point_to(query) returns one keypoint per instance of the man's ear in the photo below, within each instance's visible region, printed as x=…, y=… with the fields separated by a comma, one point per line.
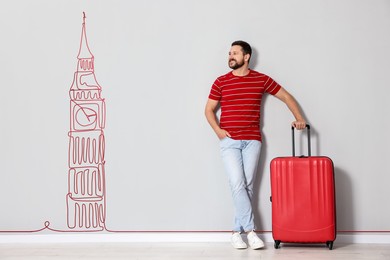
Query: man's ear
x=247, y=57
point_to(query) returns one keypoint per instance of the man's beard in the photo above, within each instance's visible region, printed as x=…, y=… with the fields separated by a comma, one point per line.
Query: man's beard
x=236, y=65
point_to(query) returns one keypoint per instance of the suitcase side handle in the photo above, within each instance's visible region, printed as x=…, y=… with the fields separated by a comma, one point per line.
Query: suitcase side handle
x=308, y=140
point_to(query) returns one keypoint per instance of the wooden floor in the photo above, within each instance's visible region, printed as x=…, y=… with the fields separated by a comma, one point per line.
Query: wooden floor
x=189, y=251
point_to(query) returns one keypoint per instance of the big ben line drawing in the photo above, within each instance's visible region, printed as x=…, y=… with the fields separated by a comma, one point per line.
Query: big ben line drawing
x=85, y=200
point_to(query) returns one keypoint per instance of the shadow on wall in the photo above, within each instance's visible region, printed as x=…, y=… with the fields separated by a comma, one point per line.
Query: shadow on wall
x=344, y=201
x=263, y=155
x=343, y=183
x=259, y=213
x=343, y=186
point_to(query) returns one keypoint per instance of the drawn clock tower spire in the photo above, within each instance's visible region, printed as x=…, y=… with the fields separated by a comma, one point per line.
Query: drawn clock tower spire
x=86, y=209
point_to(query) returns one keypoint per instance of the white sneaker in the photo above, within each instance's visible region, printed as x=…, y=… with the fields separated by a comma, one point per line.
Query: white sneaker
x=237, y=241
x=254, y=241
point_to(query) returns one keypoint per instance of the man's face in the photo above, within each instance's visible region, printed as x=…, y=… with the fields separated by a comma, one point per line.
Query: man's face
x=236, y=57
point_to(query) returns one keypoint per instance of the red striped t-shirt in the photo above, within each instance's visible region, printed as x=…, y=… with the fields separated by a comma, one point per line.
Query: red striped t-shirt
x=240, y=100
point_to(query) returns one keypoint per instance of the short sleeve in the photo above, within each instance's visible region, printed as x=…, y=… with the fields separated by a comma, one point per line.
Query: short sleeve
x=215, y=92
x=271, y=86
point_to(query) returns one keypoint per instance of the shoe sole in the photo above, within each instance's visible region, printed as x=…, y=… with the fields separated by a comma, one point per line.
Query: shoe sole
x=258, y=247
x=240, y=247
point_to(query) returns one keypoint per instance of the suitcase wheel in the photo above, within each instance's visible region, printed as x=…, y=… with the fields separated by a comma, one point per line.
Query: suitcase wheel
x=329, y=244
x=277, y=244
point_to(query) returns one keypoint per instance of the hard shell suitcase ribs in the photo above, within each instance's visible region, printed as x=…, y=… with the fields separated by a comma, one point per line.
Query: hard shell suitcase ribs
x=303, y=199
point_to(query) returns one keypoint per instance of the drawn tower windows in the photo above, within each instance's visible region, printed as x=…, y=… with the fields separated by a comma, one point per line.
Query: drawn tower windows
x=86, y=176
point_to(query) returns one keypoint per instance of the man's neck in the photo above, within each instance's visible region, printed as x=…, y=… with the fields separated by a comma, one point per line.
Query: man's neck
x=240, y=72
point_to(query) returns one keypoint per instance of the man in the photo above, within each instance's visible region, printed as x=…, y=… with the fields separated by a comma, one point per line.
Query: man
x=239, y=95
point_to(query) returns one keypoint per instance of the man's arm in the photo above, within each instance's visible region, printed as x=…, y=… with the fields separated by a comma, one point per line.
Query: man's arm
x=212, y=119
x=289, y=100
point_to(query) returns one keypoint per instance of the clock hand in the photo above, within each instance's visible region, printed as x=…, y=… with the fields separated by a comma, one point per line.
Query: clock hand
x=92, y=115
x=85, y=113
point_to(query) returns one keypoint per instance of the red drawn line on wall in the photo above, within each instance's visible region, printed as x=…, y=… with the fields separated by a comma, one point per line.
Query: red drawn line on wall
x=86, y=204
x=85, y=200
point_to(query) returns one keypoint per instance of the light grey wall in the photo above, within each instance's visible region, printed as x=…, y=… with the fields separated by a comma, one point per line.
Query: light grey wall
x=156, y=61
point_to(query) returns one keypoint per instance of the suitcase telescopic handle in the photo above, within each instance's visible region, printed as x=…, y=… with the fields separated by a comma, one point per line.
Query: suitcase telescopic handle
x=308, y=140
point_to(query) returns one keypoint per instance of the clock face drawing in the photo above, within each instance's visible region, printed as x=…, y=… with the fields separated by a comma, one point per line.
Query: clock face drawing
x=86, y=117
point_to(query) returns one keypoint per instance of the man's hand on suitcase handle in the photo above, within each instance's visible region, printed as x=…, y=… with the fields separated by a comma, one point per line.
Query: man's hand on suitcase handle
x=299, y=124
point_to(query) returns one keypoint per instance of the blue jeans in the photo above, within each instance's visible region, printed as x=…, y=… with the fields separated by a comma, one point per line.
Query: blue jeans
x=240, y=158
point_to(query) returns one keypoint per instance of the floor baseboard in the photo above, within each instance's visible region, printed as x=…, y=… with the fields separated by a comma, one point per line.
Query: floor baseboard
x=190, y=237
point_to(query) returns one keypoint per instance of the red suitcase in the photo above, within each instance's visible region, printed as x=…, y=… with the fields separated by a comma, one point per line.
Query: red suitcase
x=303, y=199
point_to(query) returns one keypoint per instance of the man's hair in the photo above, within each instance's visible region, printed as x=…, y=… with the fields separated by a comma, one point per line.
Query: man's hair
x=246, y=48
